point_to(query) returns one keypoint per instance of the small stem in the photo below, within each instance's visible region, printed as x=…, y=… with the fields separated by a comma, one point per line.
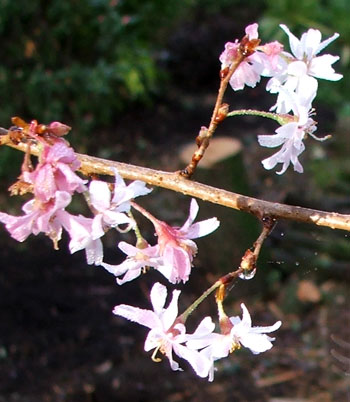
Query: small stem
x=224, y=280
x=183, y=317
x=142, y=211
x=281, y=119
x=248, y=262
x=269, y=223
x=139, y=238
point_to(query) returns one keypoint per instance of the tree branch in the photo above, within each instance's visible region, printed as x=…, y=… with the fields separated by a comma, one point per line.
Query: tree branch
x=174, y=181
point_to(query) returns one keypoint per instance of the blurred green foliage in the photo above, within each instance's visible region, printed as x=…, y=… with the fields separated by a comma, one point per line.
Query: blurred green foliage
x=328, y=16
x=85, y=62
x=79, y=61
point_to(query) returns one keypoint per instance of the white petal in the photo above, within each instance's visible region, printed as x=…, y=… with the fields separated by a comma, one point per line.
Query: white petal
x=205, y=327
x=143, y=317
x=310, y=42
x=120, y=269
x=118, y=180
x=100, y=196
x=97, y=228
x=256, y=343
x=293, y=42
x=262, y=330
x=271, y=141
x=321, y=67
x=170, y=314
x=271, y=162
x=297, y=68
x=199, y=363
x=194, y=208
x=158, y=297
x=113, y=218
x=94, y=252
x=127, y=248
x=129, y=276
x=246, y=319
x=327, y=42
x=202, y=228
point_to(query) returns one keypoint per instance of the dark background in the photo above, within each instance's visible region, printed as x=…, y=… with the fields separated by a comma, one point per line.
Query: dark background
x=136, y=80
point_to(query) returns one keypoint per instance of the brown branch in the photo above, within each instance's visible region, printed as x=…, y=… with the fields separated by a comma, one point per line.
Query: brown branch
x=246, y=48
x=174, y=181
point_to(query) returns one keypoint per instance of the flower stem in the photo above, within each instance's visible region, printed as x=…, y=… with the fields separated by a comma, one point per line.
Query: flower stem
x=183, y=317
x=223, y=281
x=281, y=119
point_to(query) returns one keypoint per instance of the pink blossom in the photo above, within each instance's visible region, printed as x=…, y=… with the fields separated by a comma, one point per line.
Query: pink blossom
x=39, y=218
x=124, y=193
x=236, y=332
x=82, y=236
x=166, y=334
x=137, y=260
x=261, y=63
x=176, y=245
x=55, y=172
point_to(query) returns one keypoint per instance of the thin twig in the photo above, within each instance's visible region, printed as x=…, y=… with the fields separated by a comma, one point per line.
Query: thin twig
x=220, y=109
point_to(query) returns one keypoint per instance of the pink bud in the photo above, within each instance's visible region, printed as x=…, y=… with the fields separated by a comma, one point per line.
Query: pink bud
x=58, y=128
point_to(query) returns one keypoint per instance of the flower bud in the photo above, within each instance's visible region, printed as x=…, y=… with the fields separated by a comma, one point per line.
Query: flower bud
x=58, y=128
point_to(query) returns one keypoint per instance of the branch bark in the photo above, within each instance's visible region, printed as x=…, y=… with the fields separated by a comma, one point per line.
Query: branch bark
x=175, y=182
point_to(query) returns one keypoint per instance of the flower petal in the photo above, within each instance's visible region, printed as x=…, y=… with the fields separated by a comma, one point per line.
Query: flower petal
x=158, y=297
x=143, y=317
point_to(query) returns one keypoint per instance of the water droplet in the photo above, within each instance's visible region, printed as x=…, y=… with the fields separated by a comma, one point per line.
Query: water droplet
x=297, y=264
x=282, y=234
x=246, y=275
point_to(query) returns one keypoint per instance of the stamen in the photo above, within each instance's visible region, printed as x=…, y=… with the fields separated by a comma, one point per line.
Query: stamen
x=154, y=358
x=321, y=139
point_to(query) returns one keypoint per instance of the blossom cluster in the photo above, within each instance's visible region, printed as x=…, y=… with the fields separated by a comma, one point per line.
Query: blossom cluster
x=173, y=254
x=54, y=181
x=293, y=77
x=203, y=347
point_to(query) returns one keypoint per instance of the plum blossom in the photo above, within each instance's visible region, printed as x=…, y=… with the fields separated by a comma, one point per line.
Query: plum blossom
x=55, y=172
x=236, y=332
x=297, y=72
x=85, y=233
x=38, y=218
x=167, y=333
x=80, y=230
x=176, y=246
x=109, y=211
x=261, y=63
x=137, y=260
x=290, y=136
